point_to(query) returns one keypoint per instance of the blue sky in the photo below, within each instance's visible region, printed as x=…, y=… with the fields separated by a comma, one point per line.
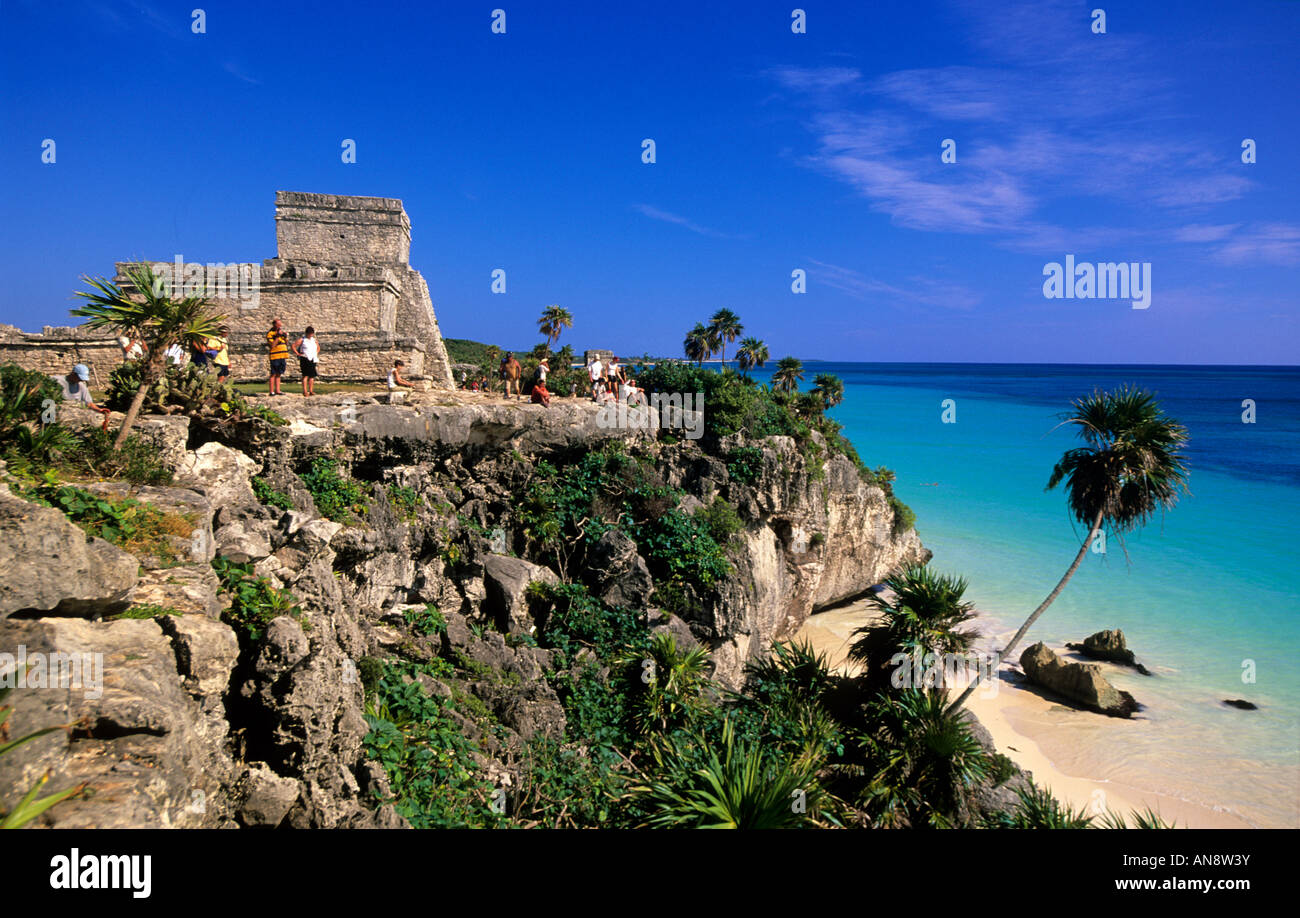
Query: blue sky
x=775, y=151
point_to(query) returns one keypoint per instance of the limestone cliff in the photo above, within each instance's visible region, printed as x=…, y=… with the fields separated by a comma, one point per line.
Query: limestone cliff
x=202, y=724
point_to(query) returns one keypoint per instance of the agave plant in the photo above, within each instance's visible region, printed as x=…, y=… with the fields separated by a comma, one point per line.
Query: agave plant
x=746, y=787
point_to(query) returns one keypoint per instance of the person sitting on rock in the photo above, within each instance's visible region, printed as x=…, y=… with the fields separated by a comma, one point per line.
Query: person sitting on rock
x=540, y=395
x=75, y=390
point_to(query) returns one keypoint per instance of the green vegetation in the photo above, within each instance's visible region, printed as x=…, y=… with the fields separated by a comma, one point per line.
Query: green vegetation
x=406, y=501
x=269, y=495
x=428, y=760
x=566, y=510
x=339, y=499
x=427, y=621
x=33, y=442
x=143, y=612
x=254, y=601
x=31, y=805
x=191, y=390
x=137, y=527
x=721, y=521
x=553, y=322
x=744, y=463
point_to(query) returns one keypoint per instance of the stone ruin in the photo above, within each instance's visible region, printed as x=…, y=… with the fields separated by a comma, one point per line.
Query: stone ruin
x=342, y=266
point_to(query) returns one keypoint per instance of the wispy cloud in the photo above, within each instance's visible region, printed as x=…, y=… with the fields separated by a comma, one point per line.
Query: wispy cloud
x=1268, y=243
x=918, y=289
x=1058, y=114
x=238, y=73
x=654, y=213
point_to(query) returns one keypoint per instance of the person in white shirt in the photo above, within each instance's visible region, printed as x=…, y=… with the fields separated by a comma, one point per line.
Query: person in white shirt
x=175, y=355
x=593, y=371
x=308, y=350
x=75, y=390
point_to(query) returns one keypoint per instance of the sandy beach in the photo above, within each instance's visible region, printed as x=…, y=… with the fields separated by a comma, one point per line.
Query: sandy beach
x=1020, y=721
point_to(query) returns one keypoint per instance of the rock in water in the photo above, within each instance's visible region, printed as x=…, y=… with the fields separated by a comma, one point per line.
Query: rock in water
x=1111, y=646
x=1241, y=703
x=1080, y=682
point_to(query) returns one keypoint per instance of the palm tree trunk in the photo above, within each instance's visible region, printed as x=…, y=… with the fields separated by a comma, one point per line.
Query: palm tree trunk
x=148, y=377
x=1034, y=616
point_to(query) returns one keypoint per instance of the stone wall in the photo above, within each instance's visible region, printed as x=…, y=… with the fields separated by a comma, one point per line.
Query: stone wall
x=342, y=268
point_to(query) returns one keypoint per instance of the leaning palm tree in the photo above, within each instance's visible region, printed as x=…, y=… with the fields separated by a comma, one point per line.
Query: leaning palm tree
x=725, y=326
x=752, y=353
x=698, y=345
x=830, y=388
x=789, y=372
x=554, y=320
x=148, y=312
x=1130, y=468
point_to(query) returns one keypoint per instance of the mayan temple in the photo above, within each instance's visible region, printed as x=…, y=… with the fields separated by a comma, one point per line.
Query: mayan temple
x=342, y=266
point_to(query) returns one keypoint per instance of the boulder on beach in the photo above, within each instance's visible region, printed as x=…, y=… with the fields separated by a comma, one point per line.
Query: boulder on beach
x=1110, y=646
x=1080, y=682
x=1241, y=703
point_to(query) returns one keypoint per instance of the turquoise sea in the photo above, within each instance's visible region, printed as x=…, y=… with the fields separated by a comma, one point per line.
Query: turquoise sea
x=1207, y=596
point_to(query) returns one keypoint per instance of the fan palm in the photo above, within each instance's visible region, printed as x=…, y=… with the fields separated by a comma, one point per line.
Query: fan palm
x=922, y=759
x=554, y=320
x=1130, y=467
x=150, y=313
x=789, y=372
x=698, y=345
x=830, y=388
x=752, y=353
x=923, y=613
x=725, y=326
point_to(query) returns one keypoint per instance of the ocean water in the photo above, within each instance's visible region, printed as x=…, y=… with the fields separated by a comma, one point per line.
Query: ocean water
x=1206, y=595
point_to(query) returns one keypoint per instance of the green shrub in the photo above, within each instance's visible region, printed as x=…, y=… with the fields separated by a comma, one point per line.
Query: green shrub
x=721, y=520
x=339, y=499
x=429, y=762
x=744, y=464
x=269, y=495
x=406, y=501
x=254, y=602
x=427, y=621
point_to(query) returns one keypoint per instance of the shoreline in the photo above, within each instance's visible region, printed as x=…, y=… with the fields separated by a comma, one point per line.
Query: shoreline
x=1017, y=718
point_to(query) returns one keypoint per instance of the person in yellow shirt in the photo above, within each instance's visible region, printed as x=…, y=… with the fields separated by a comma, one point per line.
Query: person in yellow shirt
x=221, y=360
x=278, y=341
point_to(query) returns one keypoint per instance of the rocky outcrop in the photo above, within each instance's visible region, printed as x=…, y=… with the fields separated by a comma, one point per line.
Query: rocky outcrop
x=1082, y=683
x=50, y=565
x=207, y=722
x=1109, y=646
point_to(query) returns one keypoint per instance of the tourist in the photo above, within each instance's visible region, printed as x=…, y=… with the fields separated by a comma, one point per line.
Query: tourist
x=199, y=355
x=278, y=342
x=511, y=372
x=308, y=350
x=616, y=377
x=218, y=351
x=395, y=377
x=540, y=395
x=594, y=373
x=539, y=375
x=175, y=355
x=631, y=394
x=75, y=390
x=133, y=348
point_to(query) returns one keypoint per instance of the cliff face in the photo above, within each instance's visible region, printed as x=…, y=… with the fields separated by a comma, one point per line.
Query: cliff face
x=202, y=724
